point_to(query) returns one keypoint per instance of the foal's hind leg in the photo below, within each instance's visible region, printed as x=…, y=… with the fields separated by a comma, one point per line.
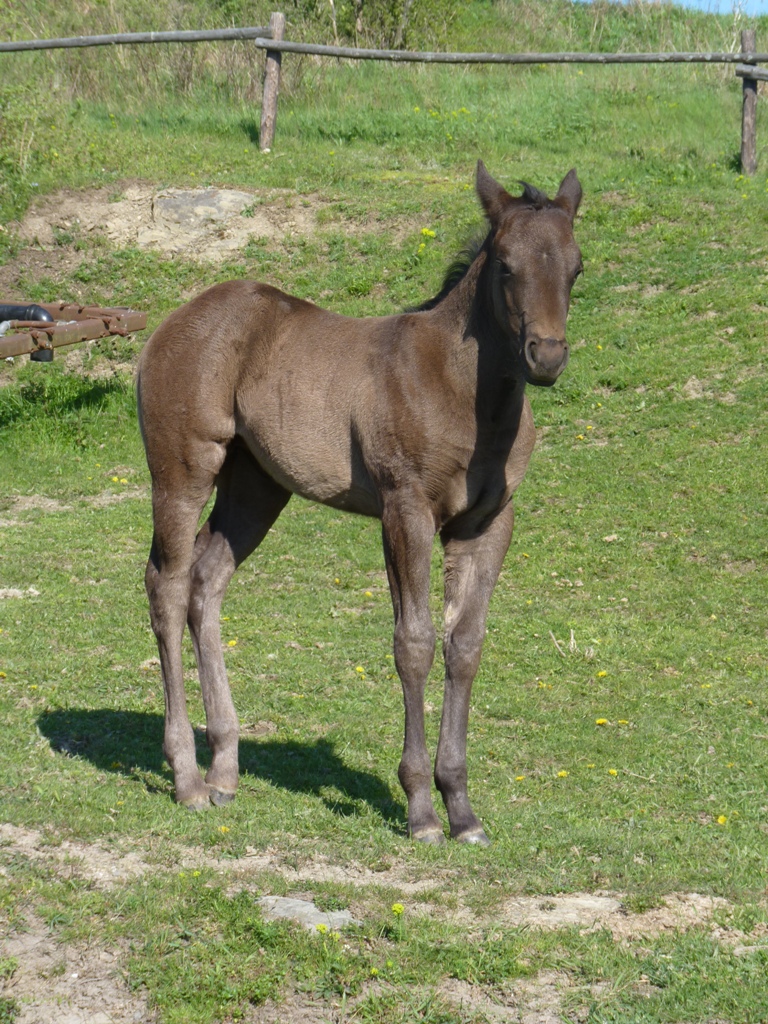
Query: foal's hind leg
x=247, y=503
x=472, y=566
x=177, y=501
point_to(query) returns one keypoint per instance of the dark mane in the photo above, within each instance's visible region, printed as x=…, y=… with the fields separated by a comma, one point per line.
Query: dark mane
x=463, y=261
x=456, y=271
x=534, y=197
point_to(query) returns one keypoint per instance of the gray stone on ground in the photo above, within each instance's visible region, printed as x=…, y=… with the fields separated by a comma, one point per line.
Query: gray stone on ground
x=304, y=912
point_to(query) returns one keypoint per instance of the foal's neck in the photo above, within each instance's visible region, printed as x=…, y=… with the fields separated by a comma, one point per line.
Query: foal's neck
x=485, y=363
x=468, y=312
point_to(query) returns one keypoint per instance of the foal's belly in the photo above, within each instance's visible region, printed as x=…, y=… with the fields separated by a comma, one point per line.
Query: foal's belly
x=316, y=465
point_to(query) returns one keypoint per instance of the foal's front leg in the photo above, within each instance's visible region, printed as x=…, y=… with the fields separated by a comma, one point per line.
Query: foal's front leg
x=472, y=566
x=408, y=532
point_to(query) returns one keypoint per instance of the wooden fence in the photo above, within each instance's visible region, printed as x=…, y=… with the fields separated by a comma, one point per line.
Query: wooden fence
x=271, y=38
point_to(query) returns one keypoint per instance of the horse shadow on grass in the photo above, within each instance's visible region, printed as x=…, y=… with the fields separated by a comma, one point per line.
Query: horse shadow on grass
x=129, y=743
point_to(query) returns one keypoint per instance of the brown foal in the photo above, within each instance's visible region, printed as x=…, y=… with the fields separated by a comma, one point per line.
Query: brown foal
x=419, y=419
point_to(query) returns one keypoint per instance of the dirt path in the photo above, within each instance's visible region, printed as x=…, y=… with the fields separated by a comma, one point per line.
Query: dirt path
x=84, y=984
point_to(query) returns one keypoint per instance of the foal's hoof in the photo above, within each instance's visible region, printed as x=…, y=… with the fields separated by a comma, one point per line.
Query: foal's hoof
x=434, y=836
x=475, y=837
x=220, y=798
x=196, y=802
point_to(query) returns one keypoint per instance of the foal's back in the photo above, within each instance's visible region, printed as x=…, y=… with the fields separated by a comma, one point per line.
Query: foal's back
x=324, y=403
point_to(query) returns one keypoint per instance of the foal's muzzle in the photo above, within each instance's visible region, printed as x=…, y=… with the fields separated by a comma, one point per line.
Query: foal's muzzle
x=545, y=360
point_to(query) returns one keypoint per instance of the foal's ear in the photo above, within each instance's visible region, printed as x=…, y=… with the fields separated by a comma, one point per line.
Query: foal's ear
x=490, y=193
x=569, y=194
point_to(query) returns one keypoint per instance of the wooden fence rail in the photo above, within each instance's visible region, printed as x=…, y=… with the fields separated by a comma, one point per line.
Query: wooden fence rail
x=133, y=38
x=271, y=39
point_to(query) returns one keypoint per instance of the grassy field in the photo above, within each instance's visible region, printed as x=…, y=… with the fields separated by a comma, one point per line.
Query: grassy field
x=619, y=722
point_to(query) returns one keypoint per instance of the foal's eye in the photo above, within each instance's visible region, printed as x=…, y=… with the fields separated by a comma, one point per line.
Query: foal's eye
x=502, y=269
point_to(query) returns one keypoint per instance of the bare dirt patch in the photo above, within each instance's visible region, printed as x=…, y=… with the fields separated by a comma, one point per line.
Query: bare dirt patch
x=49, y=506
x=680, y=912
x=582, y=910
x=694, y=389
x=107, y=498
x=589, y=912
x=535, y=1000
x=207, y=223
x=22, y=503
x=75, y=984
x=319, y=869
x=538, y=1000
x=103, y=867
x=68, y=984
x=295, y=1009
x=81, y=362
x=32, y=265
x=38, y=502
x=106, y=867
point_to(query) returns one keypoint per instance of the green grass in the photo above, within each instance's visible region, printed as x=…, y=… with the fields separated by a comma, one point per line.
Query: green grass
x=633, y=593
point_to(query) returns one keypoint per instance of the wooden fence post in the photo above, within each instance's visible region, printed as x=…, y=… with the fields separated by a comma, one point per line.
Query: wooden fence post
x=748, y=111
x=271, y=85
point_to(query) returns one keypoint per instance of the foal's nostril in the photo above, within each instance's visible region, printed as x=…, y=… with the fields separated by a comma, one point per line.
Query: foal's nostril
x=546, y=357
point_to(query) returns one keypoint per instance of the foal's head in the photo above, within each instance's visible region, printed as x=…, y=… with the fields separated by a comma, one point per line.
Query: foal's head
x=534, y=261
